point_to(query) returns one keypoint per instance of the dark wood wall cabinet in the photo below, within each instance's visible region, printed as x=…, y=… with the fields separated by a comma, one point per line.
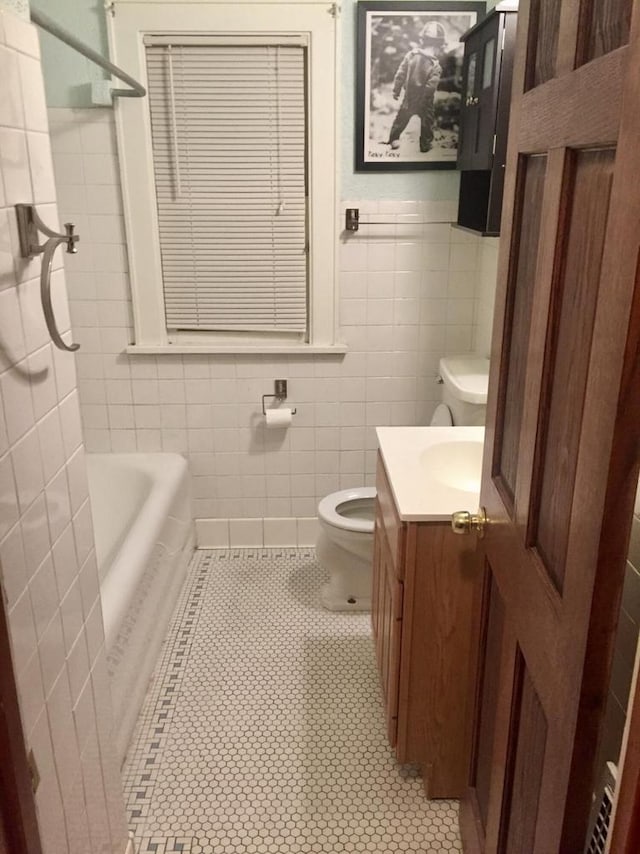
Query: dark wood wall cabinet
x=424, y=577
x=484, y=118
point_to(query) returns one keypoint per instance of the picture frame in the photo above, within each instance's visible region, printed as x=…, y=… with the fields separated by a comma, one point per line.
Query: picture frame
x=409, y=65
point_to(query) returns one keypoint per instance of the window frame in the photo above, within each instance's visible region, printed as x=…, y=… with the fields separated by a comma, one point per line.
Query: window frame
x=130, y=22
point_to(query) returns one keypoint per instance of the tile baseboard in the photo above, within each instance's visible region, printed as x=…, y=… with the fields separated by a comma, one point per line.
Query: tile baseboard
x=267, y=532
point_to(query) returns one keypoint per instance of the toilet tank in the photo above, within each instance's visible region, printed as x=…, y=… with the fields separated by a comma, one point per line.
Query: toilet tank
x=465, y=380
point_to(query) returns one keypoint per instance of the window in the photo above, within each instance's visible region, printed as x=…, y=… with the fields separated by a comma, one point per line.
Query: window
x=229, y=175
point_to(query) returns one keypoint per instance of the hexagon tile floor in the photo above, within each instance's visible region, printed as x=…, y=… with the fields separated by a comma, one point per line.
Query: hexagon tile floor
x=263, y=730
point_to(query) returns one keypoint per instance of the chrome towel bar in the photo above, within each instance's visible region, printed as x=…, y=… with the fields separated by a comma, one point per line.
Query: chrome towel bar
x=29, y=224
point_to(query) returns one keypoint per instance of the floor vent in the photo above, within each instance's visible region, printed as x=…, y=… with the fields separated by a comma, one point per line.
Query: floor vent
x=603, y=803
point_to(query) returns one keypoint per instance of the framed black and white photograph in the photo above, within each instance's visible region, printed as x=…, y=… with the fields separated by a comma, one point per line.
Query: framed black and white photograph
x=409, y=82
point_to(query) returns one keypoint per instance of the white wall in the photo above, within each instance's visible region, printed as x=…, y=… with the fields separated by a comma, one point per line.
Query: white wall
x=485, y=295
x=47, y=557
x=407, y=298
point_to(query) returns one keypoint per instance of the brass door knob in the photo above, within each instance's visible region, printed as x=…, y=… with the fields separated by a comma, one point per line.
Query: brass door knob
x=464, y=522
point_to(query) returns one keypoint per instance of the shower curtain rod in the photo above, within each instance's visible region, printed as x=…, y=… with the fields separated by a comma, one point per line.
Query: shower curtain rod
x=136, y=91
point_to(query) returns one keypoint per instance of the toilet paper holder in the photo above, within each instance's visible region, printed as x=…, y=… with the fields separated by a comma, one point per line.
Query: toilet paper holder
x=280, y=394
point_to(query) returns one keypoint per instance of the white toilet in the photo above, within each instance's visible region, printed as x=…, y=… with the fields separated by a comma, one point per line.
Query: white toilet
x=344, y=546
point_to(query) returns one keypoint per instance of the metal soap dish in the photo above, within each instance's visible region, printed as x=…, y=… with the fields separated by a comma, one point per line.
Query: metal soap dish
x=29, y=224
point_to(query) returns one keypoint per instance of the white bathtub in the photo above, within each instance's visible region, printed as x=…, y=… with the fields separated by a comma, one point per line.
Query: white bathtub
x=144, y=540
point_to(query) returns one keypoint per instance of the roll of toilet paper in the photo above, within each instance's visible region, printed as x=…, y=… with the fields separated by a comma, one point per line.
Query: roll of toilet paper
x=280, y=417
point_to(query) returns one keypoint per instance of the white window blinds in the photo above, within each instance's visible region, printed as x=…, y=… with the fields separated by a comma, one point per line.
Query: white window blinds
x=229, y=148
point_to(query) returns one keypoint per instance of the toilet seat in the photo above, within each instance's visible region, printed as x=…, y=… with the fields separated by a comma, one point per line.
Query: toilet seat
x=328, y=509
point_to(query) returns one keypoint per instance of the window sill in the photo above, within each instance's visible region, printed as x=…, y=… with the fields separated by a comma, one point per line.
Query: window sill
x=279, y=350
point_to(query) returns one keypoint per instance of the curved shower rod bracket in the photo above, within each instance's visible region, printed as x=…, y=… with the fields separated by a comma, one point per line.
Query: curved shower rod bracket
x=29, y=226
x=46, y=23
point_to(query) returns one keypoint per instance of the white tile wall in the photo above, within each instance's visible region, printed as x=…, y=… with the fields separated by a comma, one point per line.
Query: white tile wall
x=485, y=295
x=408, y=296
x=47, y=557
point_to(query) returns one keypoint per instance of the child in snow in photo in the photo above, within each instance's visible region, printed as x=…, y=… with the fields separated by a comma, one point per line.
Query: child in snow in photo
x=419, y=74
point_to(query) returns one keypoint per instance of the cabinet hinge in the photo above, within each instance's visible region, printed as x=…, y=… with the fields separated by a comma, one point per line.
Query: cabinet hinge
x=33, y=771
x=495, y=139
x=110, y=7
x=504, y=36
x=334, y=10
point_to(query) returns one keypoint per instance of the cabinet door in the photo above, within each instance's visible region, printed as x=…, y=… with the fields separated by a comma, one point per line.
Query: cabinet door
x=481, y=77
x=386, y=614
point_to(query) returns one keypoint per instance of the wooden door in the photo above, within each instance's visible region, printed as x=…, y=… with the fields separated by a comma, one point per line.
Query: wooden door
x=561, y=454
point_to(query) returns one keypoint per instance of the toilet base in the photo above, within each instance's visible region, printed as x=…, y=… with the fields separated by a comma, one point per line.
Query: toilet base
x=350, y=583
x=336, y=600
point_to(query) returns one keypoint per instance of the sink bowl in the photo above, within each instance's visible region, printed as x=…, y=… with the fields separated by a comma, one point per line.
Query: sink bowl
x=433, y=471
x=457, y=465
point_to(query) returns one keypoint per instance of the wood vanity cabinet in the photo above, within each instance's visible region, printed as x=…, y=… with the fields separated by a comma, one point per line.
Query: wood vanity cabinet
x=484, y=118
x=424, y=577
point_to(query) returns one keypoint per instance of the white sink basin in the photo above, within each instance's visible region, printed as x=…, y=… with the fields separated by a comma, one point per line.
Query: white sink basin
x=454, y=464
x=433, y=471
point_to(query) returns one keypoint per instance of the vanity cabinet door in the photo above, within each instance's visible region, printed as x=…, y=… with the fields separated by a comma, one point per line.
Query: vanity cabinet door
x=386, y=615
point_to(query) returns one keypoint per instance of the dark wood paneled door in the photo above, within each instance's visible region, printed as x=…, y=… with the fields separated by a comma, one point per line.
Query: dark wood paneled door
x=561, y=453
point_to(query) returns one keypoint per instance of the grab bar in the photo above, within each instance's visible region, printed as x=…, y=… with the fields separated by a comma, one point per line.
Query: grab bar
x=137, y=89
x=29, y=224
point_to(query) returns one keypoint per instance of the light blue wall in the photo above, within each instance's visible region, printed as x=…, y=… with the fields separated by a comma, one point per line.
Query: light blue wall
x=67, y=74
x=68, y=77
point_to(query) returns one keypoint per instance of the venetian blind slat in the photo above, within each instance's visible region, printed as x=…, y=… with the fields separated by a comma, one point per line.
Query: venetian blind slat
x=229, y=144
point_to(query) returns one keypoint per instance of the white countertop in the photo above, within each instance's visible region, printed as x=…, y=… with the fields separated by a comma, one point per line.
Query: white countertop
x=433, y=471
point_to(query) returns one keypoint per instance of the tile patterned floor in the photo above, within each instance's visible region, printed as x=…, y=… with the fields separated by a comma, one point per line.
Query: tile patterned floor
x=263, y=729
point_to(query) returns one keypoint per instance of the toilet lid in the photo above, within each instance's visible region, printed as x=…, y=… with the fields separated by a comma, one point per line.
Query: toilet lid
x=328, y=509
x=442, y=416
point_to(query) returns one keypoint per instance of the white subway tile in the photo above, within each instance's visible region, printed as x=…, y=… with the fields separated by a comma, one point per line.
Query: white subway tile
x=31, y=695
x=464, y=257
x=41, y=165
x=43, y=381
x=381, y=257
x=48, y=797
x=15, y=167
x=35, y=108
x=13, y=347
x=65, y=562
x=21, y=35
x=104, y=199
x=72, y=619
x=51, y=651
x=33, y=323
x=83, y=532
x=13, y=564
x=280, y=532
x=435, y=257
x=22, y=631
x=27, y=469
x=35, y=534
x=70, y=422
x=77, y=664
x=77, y=479
x=11, y=103
x=245, y=532
x=123, y=441
x=44, y=595
x=307, y=531
x=98, y=137
x=51, y=444
x=212, y=533
x=100, y=169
